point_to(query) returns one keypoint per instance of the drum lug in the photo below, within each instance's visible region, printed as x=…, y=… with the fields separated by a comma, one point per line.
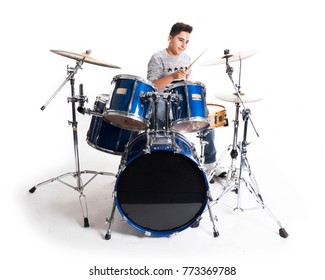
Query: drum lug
x=147, y=233
x=147, y=150
x=209, y=196
x=122, y=166
x=176, y=149
x=200, y=166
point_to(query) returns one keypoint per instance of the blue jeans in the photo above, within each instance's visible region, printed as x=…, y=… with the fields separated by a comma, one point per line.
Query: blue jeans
x=210, y=151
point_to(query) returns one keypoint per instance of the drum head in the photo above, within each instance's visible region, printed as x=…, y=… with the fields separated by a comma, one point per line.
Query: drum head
x=162, y=192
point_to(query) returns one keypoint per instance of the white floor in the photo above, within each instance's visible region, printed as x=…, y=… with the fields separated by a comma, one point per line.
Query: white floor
x=52, y=233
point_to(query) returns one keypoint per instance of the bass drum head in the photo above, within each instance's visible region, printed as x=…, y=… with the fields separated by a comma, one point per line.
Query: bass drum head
x=161, y=193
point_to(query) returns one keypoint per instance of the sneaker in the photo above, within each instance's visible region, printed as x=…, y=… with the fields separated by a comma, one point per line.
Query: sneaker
x=219, y=170
x=208, y=167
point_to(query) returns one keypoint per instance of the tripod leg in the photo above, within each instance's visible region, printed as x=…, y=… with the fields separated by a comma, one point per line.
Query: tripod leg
x=110, y=222
x=212, y=218
x=254, y=189
x=282, y=231
x=58, y=178
x=84, y=209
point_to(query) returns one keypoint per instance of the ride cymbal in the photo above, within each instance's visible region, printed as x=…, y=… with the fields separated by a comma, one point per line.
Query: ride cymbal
x=231, y=58
x=233, y=97
x=85, y=57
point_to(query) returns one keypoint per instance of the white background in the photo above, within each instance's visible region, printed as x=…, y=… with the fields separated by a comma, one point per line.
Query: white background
x=42, y=235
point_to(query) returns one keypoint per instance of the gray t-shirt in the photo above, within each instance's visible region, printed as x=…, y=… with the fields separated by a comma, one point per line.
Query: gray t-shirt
x=162, y=64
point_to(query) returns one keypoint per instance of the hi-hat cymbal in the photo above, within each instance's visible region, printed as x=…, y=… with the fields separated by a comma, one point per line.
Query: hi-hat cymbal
x=233, y=97
x=85, y=57
x=231, y=58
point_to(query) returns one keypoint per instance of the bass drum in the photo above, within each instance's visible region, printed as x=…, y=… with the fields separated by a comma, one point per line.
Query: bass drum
x=161, y=190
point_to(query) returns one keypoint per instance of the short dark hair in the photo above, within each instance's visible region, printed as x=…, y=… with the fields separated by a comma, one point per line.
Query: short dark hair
x=179, y=27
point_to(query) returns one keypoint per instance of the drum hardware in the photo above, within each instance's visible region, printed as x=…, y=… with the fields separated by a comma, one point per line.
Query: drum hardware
x=82, y=99
x=93, y=113
x=177, y=99
x=235, y=176
x=148, y=144
x=201, y=135
x=163, y=201
x=73, y=100
x=155, y=100
x=167, y=98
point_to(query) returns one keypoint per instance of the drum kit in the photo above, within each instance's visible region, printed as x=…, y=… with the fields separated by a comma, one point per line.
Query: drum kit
x=161, y=187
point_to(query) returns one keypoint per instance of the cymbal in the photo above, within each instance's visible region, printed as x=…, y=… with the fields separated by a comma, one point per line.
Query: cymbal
x=233, y=97
x=231, y=58
x=85, y=57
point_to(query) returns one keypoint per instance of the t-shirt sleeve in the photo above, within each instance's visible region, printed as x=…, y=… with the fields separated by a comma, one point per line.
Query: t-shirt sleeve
x=155, y=68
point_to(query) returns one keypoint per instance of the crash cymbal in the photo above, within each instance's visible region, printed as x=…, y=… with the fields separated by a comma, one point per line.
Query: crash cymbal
x=231, y=58
x=233, y=97
x=85, y=57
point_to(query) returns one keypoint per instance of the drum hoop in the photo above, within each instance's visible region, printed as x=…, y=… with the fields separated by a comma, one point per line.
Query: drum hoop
x=110, y=112
x=135, y=78
x=194, y=157
x=183, y=83
x=103, y=97
x=210, y=104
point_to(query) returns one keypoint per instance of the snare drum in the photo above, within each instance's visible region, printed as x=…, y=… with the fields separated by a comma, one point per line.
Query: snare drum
x=217, y=115
x=188, y=107
x=104, y=136
x=161, y=190
x=130, y=104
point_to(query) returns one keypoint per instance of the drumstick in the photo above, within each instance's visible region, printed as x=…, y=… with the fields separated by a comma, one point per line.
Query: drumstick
x=188, y=68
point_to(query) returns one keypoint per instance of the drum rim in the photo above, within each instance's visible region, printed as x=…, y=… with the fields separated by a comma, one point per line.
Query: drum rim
x=168, y=232
x=182, y=82
x=184, y=120
x=91, y=144
x=135, y=78
x=216, y=105
x=176, y=133
x=135, y=117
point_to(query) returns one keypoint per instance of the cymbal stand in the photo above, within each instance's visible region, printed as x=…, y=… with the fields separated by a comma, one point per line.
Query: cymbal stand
x=235, y=179
x=77, y=174
x=234, y=151
x=251, y=183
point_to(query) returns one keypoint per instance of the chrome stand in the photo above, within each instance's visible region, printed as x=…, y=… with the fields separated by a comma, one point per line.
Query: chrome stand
x=77, y=174
x=235, y=176
x=236, y=179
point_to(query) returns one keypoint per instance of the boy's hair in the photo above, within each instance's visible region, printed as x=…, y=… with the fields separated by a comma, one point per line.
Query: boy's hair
x=179, y=27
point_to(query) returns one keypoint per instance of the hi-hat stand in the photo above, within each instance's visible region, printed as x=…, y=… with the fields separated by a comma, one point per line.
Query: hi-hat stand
x=235, y=176
x=76, y=174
